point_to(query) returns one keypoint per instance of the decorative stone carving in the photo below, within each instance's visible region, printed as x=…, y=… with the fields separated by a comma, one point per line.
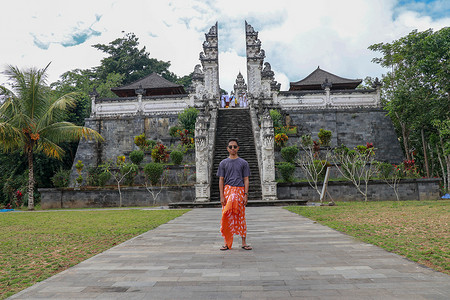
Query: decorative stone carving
x=93, y=95
x=198, y=85
x=240, y=87
x=201, y=160
x=275, y=86
x=269, y=191
x=377, y=85
x=210, y=62
x=267, y=72
x=139, y=92
x=261, y=83
x=255, y=58
x=326, y=85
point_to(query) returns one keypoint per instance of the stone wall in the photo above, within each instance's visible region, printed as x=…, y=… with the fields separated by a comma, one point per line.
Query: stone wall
x=351, y=127
x=409, y=189
x=108, y=197
x=119, y=133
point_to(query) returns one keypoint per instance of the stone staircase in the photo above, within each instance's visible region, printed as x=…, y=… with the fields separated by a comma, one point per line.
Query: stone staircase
x=236, y=123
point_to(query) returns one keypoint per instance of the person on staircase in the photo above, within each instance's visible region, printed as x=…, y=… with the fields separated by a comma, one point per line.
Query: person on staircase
x=234, y=183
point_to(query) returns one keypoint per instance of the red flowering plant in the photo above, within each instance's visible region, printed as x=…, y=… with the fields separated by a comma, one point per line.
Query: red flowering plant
x=316, y=148
x=184, y=137
x=19, y=197
x=160, y=153
x=410, y=169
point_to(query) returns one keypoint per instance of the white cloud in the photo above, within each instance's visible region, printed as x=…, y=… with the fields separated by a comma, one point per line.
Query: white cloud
x=297, y=35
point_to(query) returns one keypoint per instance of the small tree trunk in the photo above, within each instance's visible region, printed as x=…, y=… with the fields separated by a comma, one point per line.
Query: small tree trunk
x=120, y=193
x=431, y=159
x=405, y=140
x=447, y=161
x=444, y=178
x=30, y=180
x=425, y=156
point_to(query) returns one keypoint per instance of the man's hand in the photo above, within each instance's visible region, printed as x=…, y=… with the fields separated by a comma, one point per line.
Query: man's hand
x=245, y=200
x=222, y=200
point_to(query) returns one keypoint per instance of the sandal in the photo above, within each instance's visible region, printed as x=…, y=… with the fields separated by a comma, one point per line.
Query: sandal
x=247, y=247
x=224, y=248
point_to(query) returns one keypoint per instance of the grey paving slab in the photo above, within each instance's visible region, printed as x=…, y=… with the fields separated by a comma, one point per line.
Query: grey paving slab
x=293, y=258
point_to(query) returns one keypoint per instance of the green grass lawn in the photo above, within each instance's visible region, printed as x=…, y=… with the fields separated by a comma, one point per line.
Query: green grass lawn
x=37, y=245
x=417, y=230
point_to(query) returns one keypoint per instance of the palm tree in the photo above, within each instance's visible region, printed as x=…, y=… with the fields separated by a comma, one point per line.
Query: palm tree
x=30, y=119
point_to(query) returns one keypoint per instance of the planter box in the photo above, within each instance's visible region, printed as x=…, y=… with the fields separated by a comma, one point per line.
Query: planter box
x=109, y=197
x=378, y=190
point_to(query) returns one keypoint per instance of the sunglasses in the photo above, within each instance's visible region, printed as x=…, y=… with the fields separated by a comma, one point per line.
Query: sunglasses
x=233, y=147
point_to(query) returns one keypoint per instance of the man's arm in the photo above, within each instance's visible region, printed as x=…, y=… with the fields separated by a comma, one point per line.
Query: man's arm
x=222, y=196
x=246, y=187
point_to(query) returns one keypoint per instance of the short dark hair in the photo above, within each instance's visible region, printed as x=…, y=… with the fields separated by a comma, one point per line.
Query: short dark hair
x=233, y=139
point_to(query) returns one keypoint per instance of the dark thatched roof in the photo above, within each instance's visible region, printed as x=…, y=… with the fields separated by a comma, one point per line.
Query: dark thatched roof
x=315, y=80
x=153, y=85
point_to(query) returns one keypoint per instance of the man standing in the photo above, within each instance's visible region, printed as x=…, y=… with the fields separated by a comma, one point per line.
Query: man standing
x=233, y=176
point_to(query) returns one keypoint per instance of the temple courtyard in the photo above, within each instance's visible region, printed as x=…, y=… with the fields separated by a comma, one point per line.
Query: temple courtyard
x=293, y=257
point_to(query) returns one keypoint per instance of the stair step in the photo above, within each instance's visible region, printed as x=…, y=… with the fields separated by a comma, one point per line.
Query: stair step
x=236, y=124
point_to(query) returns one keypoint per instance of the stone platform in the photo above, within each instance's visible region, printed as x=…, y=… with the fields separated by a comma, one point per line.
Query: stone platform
x=292, y=258
x=252, y=203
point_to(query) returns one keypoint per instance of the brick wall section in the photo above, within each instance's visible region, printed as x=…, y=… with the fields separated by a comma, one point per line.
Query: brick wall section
x=131, y=196
x=409, y=189
x=350, y=127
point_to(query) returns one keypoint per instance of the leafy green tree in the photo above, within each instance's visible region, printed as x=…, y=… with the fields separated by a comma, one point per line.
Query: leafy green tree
x=416, y=88
x=30, y=119
x=127, y=59
x=188, y=118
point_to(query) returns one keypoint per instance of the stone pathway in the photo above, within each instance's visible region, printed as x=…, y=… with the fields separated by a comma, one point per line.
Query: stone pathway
x=293, y=257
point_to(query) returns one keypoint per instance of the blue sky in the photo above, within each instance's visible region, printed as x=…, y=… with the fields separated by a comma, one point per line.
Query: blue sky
x=297, y=35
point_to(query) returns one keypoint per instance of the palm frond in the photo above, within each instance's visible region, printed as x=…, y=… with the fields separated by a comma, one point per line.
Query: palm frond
x=66, y=131
x=61, y=104
x=10, y=137
x=49, y=148
x=30, y=89
x=4, y=91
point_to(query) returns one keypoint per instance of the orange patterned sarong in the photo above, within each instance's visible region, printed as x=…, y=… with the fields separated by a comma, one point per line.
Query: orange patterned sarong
x=233, y=214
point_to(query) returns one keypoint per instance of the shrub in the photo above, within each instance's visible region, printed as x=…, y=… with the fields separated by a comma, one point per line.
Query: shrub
x=281, y=139
x=306, y=140
x=61, y=178
x=120, y=160
x=97, y=176
x=160, y=153
x=137, y=156
x=289, y=153
x=385, y=170
x=187, y=118
x=154, y=171
x=103, y=178
x=130, y=171
x=151, y=144
x=286, y=170
x=324, y=137
x=184, y=137
x=276, y=118
x=176, y=157
x=92, y=176
x=173, y=131
x=79, y=166
x=141, y=141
